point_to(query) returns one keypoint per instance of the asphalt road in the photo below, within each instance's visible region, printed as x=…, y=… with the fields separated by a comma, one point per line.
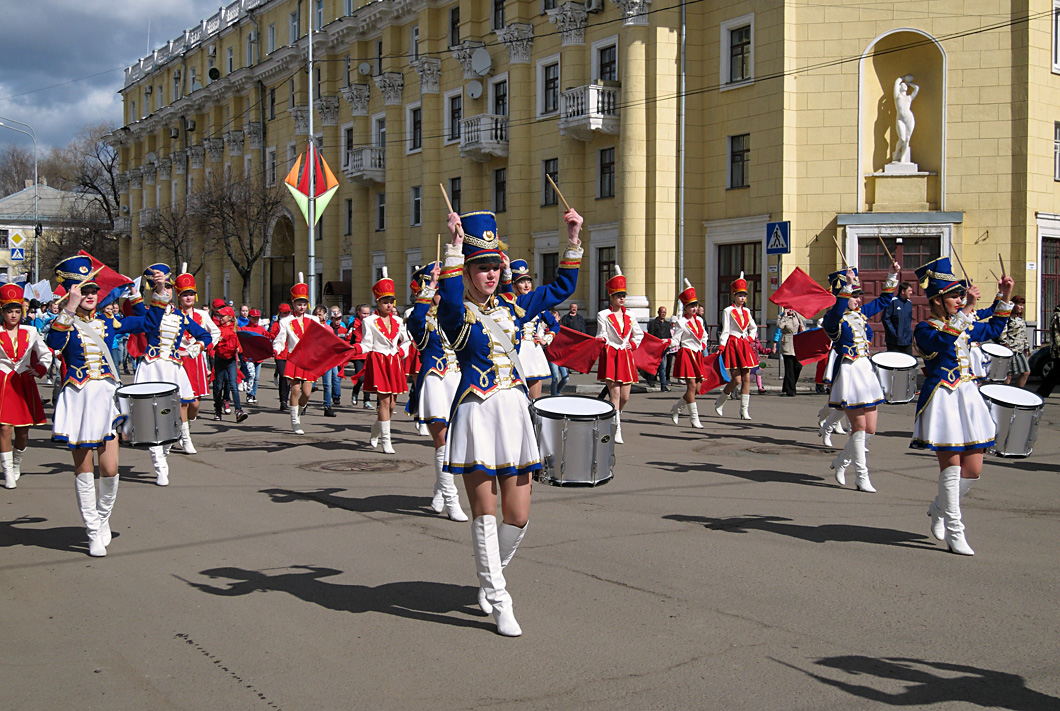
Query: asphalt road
x=721, y=569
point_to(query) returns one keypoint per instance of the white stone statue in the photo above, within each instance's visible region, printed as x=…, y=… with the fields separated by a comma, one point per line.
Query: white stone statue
x=904, y=93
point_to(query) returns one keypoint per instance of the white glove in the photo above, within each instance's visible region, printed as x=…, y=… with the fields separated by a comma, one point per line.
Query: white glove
x=194, y=350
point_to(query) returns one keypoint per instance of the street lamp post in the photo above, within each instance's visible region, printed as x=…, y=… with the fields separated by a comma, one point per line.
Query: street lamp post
x=36, y=220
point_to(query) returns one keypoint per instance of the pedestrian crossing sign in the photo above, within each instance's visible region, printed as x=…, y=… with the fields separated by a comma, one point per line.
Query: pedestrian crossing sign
x=18, y=254
x=778, y=237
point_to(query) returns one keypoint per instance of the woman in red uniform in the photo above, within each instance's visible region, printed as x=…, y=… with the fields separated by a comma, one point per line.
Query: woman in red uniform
x=692, y=337
x=383, y=338
x=193, y=355
x=621, y=334
x=738, y=333
x=23, y=356
x=289, y=332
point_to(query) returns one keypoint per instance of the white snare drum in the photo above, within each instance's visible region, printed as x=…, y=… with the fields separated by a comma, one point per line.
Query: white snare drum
x=897, y=375
x=1016, y=413
x=152, y=413
x=999, y=359
x=575, y=435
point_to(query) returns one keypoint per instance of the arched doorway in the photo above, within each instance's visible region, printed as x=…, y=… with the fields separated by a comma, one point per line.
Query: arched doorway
x=280, y=261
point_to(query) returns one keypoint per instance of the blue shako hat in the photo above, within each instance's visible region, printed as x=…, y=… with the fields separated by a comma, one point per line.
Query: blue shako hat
x=164, y=268
x=937, y=278
x=72, y=270
x=421, y=277
x=520, y=270
x=480, y=236
x=837, y=281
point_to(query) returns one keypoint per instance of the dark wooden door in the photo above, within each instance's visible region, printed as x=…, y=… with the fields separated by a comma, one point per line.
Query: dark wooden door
x=1050, y=267
x=911, y=252
x=744, y=257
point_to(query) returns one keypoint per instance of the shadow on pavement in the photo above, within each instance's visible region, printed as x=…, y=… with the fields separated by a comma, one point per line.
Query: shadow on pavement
x=758, y=475
x=414, y=599
x=61, y=538
x=386, y=503
x=929, y=683
x=826, y=533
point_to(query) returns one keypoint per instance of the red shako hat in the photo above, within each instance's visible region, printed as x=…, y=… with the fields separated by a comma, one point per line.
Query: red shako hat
x=739, y=286
x=688, y=296
x=617, y=283
x=384, y=287
x=300, y=290
x=11, y=294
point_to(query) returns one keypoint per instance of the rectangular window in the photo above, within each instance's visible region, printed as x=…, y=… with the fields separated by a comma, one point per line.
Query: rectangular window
x=272, y=103
x=500, y=190
x=454, y=26
x=500, y=98
x=378, y=58
x=379, y=132
x=347, y=145
x=347, y=7
x=454, y=194
x=606, y=182
x=739, y=161
x=270, y=43
x=270, y=167
x=176, y=89
x=549, y=88
x=294, y=28
x=414, y=42
x=1056, y=151
x=456, y=114
x=290, y=156
x=349, y=216
x=1056, y=36
x=380, y=212
x=250, y=50
x=191, y=82
x=607, y=59
x=319, y=14
x=230, y=60
x=605, y=269
x=549, y=267
x=415, y=197
x=316, y=84
x=547, y=5
x=737, y=51
x=415, y=137
x=549, y=169
x=498, y=15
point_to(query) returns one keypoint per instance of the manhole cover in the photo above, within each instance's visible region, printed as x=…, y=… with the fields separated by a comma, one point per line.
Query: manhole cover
x=783, y=450
x=363, y=466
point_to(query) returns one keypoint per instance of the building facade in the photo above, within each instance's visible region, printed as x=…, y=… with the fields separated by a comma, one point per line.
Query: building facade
x=679, y=132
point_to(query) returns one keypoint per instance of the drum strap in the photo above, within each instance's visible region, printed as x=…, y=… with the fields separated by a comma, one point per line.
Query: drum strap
x=91, y=335
x=498, y=335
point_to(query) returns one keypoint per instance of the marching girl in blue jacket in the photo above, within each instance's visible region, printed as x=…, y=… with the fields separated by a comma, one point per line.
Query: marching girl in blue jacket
x=537, y=333
x=491, y=440
x=952, y=419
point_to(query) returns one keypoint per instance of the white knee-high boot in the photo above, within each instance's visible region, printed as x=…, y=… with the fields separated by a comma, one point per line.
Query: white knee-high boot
x=719, y=403
x=16, y=460
x=438, y=501
x=158, y=460
x=108, y=494
x=828, y=427
x=373, y=438
x=676, y=410
x=185, y=439
x=384, y=428
x=618, y=428
x=951, y=486
x=486, y=546
x=861, y=462
x=450, y=494
x=9, y=469
x=296, y=420
x=745, y=405
x=693, y=411
x=509, y=537
x=86, y=503
x=823, y=414
x=842, y=462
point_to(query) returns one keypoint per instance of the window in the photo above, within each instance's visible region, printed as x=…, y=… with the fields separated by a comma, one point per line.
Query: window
x=1056, y=151
x=605, y=269
x=498, y=15
x=549, y=267
x=379, y=131
x=605, y=185
x=230, y=60
x=739, y=160
x=454, y=194
x=319, y=14
x=500, y=190
x=378, y=58
x=347, y=7
x=176, y=89
x=132, y=112
x=739, y=257
x=499, y=89
x=349, y=216
x=294, y=29
x=347, y=144
x=547, y=5
x=290, y=85
x=290, y=156
x=270, y=39
x=414, y=42
x=454, y=105
x=1056, y=36
x=316, y=78
x=380, y=212
x=250, y=50
x=454, y=26
x=272, y=103
x=248, y=166
x=548, y=85
x=737, y=51
x=270, y=167
x=549, y=169
x=191, y=83
x=414, y=117
x=415, y=197
x=607, y=63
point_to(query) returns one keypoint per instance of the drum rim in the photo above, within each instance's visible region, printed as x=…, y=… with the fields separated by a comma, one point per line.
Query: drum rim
x=171, y=388
x=1010, y=353
x=986, y=396
x=573, y=418
x=910, y=366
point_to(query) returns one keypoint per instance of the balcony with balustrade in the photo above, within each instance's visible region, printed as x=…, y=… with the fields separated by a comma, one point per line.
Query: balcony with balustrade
x=484, y=137
x=365, y=165
x=590, y=109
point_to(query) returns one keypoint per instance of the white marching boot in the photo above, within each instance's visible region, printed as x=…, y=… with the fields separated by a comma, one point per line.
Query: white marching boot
x=842, y=462
x=373, y=438
x=745, y=405
x=829, y=426
x=86, y=502
x=296, y=420
x=618, y=428
x=719, y=403
x=839, y=429
x=185, y=439
x=693, y=411
x=9, y=469
x=438, y=501
x=861, y=463
x=447, y=487
x=16, y=460
x=951, y=486
x=677, y=410
x=509, y=538
x=384, y=428
x=486, y=544
x=823, y=414
x=108, y=494
x=158, y=460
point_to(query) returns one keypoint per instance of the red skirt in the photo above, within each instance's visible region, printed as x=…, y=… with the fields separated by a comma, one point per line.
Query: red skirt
x=412, y=363
x=198, y=375
x=384, y=374
x=617, y=365
x=20, y=404
x=292, y=371
x=738, y=353
x=689, y=364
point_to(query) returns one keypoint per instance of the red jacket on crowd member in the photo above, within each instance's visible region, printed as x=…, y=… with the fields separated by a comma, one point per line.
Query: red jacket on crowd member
x=227, y=346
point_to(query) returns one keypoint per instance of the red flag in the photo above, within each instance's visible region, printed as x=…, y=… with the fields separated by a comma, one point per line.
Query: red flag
x=257, y=347
x=803, y=294
x=574, y=349
x=717, y=374
x=319, y=350
x=111, y=283
x=650, y=353
x=812, y=346
x=136, y=345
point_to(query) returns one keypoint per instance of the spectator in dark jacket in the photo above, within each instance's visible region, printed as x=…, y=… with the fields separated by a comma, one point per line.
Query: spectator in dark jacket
x=661, y=328
x=897, y=321
x=573, y=319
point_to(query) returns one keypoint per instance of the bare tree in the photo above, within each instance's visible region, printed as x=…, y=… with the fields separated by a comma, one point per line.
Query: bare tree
x=171, y=230
x=238, y=215
x=16, y=167
x=88, y=165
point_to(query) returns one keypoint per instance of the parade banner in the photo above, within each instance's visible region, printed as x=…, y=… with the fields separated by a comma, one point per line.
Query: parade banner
x=574, y=349
x=319, y=350
x=800, y=292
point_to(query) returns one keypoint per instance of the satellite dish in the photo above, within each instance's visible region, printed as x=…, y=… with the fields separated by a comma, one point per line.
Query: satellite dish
x=480, y=61
x=214, y=73
x=364, y=68
x=150, y=157
x=474, y=88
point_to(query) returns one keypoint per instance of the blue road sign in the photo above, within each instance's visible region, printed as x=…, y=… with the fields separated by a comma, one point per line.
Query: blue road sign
x=778, y=238
x=18, y=254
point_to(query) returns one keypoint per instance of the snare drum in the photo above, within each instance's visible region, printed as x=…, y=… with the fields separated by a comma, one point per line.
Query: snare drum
x=999, y=358
x=152, y=413
x=1016, y=413
x=575, y=435
x=897, y=375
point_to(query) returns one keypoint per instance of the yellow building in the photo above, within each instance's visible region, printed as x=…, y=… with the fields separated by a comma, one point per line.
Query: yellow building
x=679, y=139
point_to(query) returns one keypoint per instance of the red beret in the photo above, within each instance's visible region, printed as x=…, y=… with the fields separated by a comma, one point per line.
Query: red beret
x=218, y=303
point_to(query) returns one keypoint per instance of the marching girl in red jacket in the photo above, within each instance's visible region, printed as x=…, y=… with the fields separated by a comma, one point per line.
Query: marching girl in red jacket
x=383, y=339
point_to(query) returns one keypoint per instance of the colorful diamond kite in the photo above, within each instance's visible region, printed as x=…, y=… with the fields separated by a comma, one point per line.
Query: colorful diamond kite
x=324, y=183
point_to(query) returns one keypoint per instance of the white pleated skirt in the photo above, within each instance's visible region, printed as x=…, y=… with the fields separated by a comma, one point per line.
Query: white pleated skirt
x=436, y=397
x=954, y=421
x=87, y=416
x=532, y=356
x=977, y=361
x=166, y=371
x=495, y=436
x=856, y=385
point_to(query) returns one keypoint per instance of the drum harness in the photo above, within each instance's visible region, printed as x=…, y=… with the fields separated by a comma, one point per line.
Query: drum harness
x=498, y=335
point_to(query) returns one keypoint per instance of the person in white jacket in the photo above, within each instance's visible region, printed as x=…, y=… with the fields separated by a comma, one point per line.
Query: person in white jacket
x=621, y=334
x=738, y=333
x=386, y=342
x=290, y=331
x=692, y=338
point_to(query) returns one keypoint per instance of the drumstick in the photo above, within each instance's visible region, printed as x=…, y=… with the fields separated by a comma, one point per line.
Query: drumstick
x=993, y=275
x=438, y=252
x=845, y=262
x=448, y=204
x=890, y=259
x=555, y=187
x=954, y=252
x=1002, y=264
x=87, y=279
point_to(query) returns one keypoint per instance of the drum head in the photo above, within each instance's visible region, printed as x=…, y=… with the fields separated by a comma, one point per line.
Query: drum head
x=146, y=390
x=1011, y=396
x=573, y=407
x=997, y=350
x=894, y=361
